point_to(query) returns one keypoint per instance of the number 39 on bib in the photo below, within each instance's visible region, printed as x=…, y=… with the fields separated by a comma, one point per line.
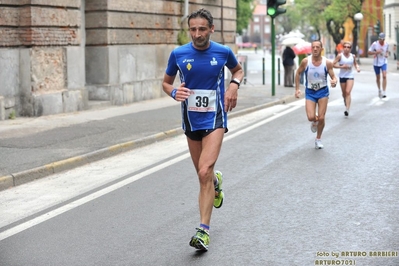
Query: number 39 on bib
x=202, y=101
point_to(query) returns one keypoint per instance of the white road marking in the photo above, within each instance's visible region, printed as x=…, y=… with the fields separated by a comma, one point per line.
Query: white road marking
x=51, y=214
x=25, y=200
x=377, y=101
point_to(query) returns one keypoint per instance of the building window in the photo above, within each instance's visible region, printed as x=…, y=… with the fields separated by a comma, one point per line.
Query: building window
x=256, y=19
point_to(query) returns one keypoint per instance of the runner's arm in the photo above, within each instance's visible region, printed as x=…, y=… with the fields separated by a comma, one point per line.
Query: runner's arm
x=181, y=92
x=298, y=73
x=356, y=64
x=331, y=73
x=336, y=60
x=230, y=96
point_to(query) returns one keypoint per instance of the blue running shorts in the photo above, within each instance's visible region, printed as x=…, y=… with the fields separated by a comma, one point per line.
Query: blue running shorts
x=314, y=96
x=377, y=69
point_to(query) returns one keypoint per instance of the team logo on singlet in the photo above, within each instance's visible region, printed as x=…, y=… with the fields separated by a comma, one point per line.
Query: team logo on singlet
x=214, y=62
x=189, y=66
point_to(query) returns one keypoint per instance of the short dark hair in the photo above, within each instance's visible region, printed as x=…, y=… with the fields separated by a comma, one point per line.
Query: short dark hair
x=202, y=13
x=318, y=40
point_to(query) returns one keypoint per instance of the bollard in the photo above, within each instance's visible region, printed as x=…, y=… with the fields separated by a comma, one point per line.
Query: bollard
x=263, y=71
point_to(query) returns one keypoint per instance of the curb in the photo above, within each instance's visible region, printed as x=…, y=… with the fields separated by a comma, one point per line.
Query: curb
x=26, y=176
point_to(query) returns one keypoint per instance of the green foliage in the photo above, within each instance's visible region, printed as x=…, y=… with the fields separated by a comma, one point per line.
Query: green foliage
x=312, y=11
x=291, y=20
x=337, y=13
x=12, y=115
x=326, y=15
x=377, y=27
x=244, y=14
x=340, y=10
x=182, y=37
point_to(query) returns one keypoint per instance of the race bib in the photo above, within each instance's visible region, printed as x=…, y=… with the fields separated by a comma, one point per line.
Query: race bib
x=202, y=101
x=315, y=84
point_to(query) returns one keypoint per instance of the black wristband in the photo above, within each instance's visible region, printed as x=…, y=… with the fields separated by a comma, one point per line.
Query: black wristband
x=233, y=81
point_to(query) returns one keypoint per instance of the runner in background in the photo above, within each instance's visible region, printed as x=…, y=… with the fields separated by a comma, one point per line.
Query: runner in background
x=380, y=50
x=345, y=62
x=316, y=68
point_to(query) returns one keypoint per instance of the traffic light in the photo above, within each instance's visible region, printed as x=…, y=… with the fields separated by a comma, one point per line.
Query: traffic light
x=274, y=9
x=377, y=27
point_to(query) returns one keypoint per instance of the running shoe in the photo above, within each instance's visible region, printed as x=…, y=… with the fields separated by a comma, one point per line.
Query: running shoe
x=379, y=93
x=384, y=96
x=346, y=113
x=313, y=126
x=200, y=240
x=318, y=145
x=219, y=194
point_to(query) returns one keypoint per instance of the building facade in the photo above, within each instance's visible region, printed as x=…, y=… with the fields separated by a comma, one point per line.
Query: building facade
x=391, y=21
x=260, y=26
x=60, y=56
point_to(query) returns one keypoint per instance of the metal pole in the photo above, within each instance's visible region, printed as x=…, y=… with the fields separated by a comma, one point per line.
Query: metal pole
x=263, y=71
x=273, y=39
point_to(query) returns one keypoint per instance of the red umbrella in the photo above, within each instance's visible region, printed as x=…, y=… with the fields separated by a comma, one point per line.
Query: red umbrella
x=302, y=48
x=245, y=45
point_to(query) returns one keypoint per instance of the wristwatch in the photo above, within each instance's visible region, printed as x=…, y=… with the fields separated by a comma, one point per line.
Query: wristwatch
x=236, y=81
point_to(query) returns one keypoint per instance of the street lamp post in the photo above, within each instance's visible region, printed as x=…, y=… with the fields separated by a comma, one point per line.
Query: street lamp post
x=358, y=17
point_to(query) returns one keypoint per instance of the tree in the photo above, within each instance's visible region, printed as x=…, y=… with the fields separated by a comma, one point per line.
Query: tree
x=313, y=11
x=329, y=15
x=244, y=14
x=291, y=20
x=337, y=13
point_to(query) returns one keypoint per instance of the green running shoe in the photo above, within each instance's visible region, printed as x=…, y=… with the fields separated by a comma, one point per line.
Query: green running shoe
x=200, y=240
x=219, y=195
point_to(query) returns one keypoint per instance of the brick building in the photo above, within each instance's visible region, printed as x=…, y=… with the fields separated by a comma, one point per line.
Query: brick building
x=61, y=56
x=259, y=28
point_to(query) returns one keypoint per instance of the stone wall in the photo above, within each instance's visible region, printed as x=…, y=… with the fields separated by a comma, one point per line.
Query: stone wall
x=40, y=45
x=39, y=22
x=59, y=55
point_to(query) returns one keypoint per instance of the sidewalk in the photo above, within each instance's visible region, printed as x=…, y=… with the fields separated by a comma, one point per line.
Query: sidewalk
x=32, y=148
